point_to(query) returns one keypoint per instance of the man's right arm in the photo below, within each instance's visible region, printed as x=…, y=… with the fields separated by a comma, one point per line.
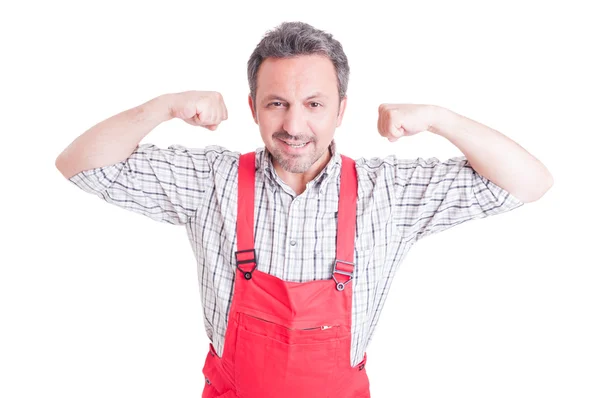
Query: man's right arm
x=115, y=138
x=166, y=185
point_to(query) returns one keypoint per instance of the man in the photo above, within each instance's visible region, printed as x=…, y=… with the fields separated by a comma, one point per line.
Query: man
x=296, y=244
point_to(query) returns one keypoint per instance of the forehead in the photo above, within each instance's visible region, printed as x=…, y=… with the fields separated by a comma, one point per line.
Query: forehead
x=296, y=75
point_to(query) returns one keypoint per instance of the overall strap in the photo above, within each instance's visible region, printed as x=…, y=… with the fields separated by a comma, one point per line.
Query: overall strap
x=245, y=254
x=346, y=227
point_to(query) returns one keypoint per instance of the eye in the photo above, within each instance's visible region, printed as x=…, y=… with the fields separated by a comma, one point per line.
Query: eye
x=315, y=105
x=276, y=104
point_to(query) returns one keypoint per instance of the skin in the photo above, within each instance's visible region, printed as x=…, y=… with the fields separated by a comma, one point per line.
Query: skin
x=297, y=101
x=490, y=153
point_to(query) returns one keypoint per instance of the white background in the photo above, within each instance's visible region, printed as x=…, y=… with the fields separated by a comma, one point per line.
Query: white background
x=96, y=301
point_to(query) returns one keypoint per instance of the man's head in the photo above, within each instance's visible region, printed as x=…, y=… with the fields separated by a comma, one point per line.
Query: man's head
x=298, y=76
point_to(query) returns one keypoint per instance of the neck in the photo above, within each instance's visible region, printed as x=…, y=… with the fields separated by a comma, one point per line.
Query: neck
x=298, y=181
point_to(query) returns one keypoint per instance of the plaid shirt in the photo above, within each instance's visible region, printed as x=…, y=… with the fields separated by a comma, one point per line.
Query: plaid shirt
x=399, y=202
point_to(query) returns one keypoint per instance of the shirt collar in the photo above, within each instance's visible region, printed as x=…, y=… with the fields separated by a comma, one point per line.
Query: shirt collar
x=329, y=172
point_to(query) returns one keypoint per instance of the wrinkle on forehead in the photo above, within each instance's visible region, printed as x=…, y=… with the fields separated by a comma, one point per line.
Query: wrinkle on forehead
x=297, y=77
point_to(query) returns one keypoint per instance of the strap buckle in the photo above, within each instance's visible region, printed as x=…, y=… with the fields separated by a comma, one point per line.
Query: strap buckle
x=346, y=269
x=243, y=257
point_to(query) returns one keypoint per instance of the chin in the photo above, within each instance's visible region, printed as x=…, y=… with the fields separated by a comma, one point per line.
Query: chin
x=294, y=164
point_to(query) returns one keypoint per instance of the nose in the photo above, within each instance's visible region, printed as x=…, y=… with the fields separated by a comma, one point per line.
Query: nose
x=295, y=120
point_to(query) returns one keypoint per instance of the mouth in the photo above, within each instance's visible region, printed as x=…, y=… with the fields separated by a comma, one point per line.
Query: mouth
x=294, y=144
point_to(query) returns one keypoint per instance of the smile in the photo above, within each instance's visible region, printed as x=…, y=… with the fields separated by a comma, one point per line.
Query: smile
x=295, y=145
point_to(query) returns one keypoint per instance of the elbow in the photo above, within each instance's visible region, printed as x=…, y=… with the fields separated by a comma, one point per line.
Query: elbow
x=58, y=163
x=540, y=187
x=62, y=165
x=545, y=183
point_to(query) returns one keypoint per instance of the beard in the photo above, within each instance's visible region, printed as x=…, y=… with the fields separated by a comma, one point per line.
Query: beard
x=296, y=163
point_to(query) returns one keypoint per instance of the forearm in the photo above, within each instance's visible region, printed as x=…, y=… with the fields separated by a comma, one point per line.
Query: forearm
x=113, y=139
x=494, y=155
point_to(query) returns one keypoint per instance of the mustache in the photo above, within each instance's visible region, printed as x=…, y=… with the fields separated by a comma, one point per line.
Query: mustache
x=284, y=135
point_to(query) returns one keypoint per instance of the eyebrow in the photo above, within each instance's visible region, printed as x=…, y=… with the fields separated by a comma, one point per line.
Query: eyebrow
x=271, y=97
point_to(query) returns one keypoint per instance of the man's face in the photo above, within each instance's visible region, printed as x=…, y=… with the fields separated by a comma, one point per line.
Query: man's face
x=297, y=104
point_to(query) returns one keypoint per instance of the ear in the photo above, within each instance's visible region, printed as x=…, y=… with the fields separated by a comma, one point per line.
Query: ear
x=254, y=116
x=341, y=110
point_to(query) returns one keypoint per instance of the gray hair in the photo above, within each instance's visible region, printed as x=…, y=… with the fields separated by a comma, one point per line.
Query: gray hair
x=291, y=39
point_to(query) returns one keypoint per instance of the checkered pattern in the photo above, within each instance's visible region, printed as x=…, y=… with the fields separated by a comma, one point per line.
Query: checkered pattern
x=399, y=202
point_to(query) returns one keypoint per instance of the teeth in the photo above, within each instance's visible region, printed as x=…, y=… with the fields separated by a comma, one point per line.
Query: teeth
x=296, y=145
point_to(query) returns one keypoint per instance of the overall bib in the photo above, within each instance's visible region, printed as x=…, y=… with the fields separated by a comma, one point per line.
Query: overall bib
x=288, y=339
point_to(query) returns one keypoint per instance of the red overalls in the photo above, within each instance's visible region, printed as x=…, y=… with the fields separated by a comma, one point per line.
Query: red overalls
x=288, y=339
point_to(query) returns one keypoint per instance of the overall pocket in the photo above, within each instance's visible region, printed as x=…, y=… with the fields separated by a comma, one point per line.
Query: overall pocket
x=215, y=384
x=272, y=360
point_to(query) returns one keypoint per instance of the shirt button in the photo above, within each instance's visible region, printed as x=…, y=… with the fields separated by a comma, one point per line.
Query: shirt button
x=293, y=243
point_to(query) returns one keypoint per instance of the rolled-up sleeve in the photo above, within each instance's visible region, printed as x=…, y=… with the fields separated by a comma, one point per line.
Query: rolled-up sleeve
x=432, y=196
x=166, y=185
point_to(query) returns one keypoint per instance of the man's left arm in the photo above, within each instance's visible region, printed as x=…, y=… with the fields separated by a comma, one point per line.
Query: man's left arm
x=491, y=154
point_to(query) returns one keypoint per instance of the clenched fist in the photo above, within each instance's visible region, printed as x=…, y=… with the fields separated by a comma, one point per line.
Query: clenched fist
x=398, y=120
x=199, y=108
